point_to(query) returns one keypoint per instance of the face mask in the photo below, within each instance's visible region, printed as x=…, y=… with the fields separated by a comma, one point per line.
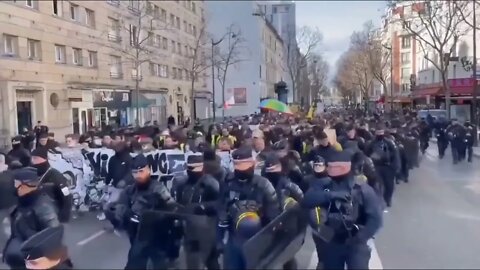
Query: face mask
x=42, y=168
x=194, y=176
x=245, y=175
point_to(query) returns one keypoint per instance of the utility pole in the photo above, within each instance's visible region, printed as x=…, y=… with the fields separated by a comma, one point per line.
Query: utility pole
x=474, y=71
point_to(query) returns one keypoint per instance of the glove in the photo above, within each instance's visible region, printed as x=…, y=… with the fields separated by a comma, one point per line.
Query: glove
x=340, y=195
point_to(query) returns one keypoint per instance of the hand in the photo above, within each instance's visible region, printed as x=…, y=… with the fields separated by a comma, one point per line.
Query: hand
x=340, y=195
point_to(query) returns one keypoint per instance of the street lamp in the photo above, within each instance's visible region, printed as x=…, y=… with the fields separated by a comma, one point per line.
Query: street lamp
x=213, y=76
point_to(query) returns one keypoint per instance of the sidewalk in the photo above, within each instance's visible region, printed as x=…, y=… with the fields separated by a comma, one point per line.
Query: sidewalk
x=476, y=150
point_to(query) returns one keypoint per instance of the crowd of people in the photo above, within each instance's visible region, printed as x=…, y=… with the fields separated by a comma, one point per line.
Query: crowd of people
x=340, y=168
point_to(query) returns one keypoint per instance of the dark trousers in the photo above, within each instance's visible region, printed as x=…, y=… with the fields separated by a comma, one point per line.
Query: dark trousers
x=355, y=256
x=455, y=153
x=442, y=146
x=320, y=247
x=469, y=153
x=12, y=254
x=387, y=175
x=194, y=258
x=233, y=257
x=146, y=257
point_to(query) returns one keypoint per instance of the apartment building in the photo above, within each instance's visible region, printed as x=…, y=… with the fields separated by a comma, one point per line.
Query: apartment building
x=74, y=65
x=262, y=55
x=403, y=49
x=282, y=15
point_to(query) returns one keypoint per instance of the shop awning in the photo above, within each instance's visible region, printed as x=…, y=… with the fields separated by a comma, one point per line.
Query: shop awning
x=402, y=99
x=427, y=91
x=143, y=101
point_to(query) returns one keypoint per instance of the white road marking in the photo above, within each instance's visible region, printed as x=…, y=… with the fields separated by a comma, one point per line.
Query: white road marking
x=90, y=238
x=374, y=263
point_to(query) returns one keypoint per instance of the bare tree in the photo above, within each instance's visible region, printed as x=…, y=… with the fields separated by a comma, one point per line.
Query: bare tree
x=307, y=40
x=437, y=26
x=344, y=81
x=231, y=55
x=318, y=75
x=140, y=26
x=195, y=61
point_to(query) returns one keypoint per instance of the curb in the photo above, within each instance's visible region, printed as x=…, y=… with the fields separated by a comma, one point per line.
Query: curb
x=475, y=153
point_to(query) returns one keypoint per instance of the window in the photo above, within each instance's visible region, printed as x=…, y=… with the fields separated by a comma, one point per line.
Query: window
x=187, y=75
x=114, y=2
x=194, y=8
x=185, y=26
x=163, y=71
x=77, y=56
x=73, y=11
x=178, y=22
x=149, y=8
x=190, y=28
x=274, y=9
x=260, y=71
x=163, y=15
x=405, y=58
x=174, y=73
x=89, y=17
x=115, y=66
x=10, y=45
x=134, y=5
x=156, y=11
x=60, y=54
x=179, y=48
x=174, y=46
x=33, y=47
x=405, y=87
x=114, y=31
x=157, y=41
x=150, y=38
x=406, y=42
x=153, y=69
x=57, y=6
x=406, y=73
x=180, y=74
x=172, y=19
x=194, y=30
x=92, y=59
x=133, y=35
x=406, y=25
x=165, y=43
x=31, y=3
x=186, y=51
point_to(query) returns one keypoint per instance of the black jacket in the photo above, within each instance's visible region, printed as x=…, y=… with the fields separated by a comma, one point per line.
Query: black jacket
x=259, y=190
x=21, y=154
x=202, y=194
x=56, y=186
x=119, y=168
x=33, y=216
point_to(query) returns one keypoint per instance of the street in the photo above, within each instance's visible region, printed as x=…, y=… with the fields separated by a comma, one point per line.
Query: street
x=433, y=224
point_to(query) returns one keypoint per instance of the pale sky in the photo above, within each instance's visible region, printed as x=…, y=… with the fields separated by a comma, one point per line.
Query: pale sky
x=337, y=20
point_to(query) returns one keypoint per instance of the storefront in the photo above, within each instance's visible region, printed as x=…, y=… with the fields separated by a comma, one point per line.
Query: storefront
x=156, y=111
x=111, y=107
x=81, y=102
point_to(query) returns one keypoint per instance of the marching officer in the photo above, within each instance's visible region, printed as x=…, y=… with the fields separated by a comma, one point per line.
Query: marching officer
x=144, y=194
x=440, y=128
x=352, y=215
x=248, y=202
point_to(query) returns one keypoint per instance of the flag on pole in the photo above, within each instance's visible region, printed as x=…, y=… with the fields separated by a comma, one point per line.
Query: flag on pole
x=229, y=102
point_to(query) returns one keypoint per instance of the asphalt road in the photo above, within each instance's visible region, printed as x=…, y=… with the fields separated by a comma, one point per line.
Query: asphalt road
x=433, y=223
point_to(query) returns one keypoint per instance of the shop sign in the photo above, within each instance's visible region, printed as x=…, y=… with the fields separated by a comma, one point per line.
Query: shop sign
x=111, y=99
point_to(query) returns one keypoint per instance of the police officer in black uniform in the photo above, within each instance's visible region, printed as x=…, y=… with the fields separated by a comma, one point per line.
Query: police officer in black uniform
x=198, y=192
x=317, y=179
x=34, y=212
x=353, y=215
x=18, y=152
x=469, y=140
x=248, y=203
x=398, y=139
x=456, y=136
x=386, y=158
x=288, y=192
x=135, y=199
x=53, y=183
x=440, y=128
